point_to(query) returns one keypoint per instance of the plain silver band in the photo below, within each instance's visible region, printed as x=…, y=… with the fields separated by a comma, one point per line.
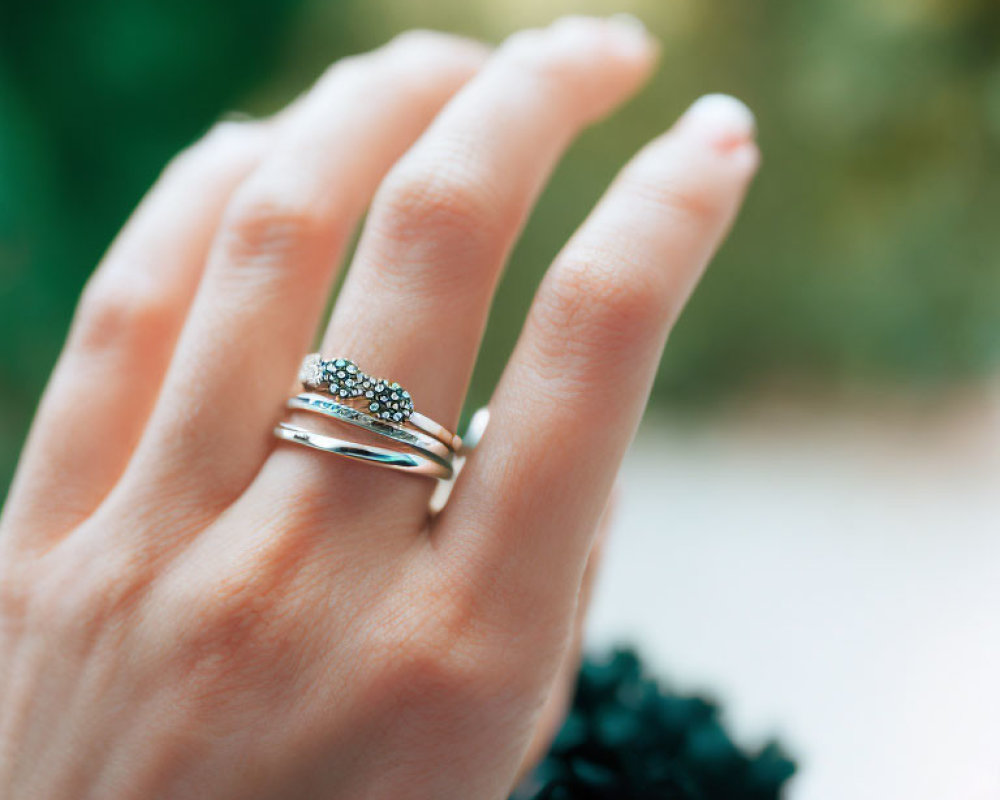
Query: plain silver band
x=421, y=442
x=392, y=459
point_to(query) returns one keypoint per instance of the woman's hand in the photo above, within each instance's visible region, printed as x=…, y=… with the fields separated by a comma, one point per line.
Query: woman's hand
x=189, y=609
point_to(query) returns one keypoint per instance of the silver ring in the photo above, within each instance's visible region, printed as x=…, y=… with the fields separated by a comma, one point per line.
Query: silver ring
x=382, y=407
x=328, y=407
x=378, y=398
x=412, y=463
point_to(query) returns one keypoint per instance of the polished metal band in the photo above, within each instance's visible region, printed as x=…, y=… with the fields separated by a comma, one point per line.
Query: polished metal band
x=428, y=446
x=334, y=386
x=413, y=463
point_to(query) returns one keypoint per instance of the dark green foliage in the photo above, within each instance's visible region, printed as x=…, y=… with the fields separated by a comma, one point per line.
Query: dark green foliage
x=95, y=97
x=627, y=738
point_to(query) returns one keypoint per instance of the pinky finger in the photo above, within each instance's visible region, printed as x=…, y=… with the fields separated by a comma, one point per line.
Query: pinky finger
x=123, y=334
x=575, y=388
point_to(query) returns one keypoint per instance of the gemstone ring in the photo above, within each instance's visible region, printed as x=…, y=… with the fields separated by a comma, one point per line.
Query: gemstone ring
x=380, y=398
x=333, y=409
x=339, y=390
x=369, y=454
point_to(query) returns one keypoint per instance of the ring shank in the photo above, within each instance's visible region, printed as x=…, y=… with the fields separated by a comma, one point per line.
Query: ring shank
x=412, y=463
x=326, y=406
x=332, y=384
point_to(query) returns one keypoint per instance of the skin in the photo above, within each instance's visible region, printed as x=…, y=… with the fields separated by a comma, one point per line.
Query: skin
x=189, y=609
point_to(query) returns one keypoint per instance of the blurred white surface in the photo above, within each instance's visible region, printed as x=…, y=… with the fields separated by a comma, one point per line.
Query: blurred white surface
x=834, y=580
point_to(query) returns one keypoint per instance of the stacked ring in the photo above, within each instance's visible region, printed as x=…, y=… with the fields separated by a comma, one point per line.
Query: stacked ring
x=419, y=441
x=380, y=456
x=339, y=390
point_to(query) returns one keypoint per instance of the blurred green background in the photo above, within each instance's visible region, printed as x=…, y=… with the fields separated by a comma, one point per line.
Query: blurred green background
x=868, y=254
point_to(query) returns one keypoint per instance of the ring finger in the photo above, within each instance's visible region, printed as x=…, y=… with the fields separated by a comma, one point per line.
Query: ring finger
x=416, y=299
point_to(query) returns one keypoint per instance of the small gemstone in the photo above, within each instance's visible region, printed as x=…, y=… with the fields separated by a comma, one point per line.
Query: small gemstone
x=373, y=406
x=340, y=363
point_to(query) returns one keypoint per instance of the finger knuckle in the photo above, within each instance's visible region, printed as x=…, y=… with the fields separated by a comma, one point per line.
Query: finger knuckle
x=434, y=669
x=267, y=225
x=448, y=657
x=228, y=632
x=80, y=605
x=234, y=642
x=445, y=204
x=122, y=314
x=594, y=302
x=688, y=202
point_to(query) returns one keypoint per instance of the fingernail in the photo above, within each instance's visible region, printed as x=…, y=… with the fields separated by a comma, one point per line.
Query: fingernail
x=723, y=120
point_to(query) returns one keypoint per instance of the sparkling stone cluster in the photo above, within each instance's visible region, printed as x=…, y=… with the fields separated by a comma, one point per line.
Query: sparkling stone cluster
x=384, y=399
x=343, y=378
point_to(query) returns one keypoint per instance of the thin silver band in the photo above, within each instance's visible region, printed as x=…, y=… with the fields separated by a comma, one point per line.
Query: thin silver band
x=425, y=445
x=392, y=459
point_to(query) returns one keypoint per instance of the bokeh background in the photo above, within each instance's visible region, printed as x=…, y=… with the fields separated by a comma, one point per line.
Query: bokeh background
x=861, y=285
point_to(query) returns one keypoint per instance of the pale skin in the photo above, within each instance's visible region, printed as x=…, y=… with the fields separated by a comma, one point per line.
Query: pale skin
x=189, y=609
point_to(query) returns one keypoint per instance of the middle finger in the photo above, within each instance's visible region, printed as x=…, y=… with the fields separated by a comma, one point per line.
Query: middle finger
x=272, y=263
x=415, y=302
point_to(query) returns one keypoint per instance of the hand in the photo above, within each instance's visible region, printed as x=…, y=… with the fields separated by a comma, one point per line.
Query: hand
x=190, y=609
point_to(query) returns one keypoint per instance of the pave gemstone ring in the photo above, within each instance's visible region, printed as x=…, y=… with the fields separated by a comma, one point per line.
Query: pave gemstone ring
x=342, y=378
x=379, y=398
x=339, y=390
